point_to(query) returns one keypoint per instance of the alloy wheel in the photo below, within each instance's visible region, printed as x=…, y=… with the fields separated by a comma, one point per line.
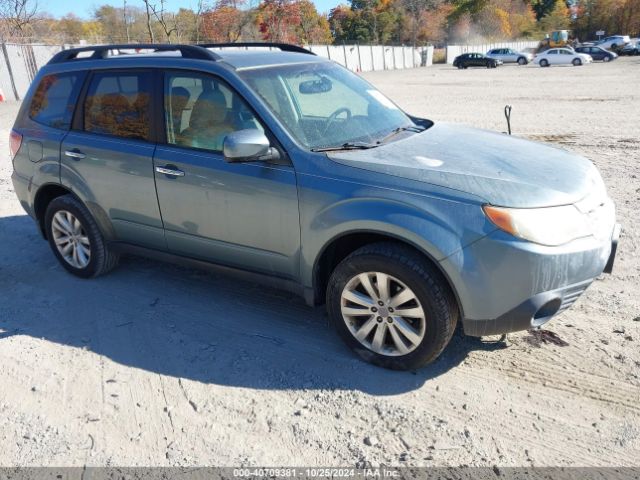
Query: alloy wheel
x=71, y=239
x=383, y=313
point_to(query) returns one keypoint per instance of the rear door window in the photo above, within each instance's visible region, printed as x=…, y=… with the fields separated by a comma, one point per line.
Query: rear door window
x=119, y=104
x=55, y=98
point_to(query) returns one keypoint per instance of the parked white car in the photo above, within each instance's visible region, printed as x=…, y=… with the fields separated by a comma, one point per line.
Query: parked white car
x=561, y=56
x=509, y=55
x=614, y=42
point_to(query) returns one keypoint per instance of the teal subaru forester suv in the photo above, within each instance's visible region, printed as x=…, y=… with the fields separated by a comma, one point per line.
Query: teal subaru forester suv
x=266, y=160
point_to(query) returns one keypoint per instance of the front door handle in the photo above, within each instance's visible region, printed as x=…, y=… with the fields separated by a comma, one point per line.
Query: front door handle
x=172, y=172
x=75, y=153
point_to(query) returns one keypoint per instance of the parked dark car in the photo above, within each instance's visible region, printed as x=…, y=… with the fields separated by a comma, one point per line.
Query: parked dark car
x=475, y=60
x=598, y=53
x=631, y=49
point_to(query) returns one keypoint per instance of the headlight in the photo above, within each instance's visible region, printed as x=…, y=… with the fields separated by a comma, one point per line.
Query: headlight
x=547, y=226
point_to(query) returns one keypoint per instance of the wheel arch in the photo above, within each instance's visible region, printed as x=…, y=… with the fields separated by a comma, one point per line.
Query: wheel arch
x=49, y=191
x=43, y=197
x=340, y=246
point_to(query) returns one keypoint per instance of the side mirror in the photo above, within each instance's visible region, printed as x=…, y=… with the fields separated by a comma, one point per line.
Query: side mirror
x=248, y=146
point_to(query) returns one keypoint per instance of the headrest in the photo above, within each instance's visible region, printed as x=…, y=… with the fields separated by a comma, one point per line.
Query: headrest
x=209, y=109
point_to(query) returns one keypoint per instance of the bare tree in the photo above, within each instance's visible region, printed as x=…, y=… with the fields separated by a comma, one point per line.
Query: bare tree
x=164, y=18
x=126, y=20
x=201, y=8
x=148, y=11
x=18, y=15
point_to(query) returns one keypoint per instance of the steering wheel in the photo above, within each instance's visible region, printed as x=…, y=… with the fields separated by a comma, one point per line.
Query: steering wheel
x=332, y=118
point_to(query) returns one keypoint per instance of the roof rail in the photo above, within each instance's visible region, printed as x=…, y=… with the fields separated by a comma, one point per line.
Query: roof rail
x=102, y=51
x=285, y=47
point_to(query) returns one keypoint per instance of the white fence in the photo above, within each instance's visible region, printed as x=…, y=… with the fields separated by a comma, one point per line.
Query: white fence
x=19, y=63
x=367, y=58
x=454, y=50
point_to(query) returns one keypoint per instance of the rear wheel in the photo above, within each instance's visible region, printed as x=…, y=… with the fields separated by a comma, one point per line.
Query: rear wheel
x=576, y=62
x=391, y=306
x=76, y=240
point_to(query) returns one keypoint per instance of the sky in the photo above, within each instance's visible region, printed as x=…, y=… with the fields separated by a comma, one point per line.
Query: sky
x=84, y=9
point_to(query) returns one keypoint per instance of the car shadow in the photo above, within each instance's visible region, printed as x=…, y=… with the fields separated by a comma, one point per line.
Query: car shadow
x=188, y=324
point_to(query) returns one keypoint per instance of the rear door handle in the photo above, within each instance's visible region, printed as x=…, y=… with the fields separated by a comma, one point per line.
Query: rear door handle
x=172, y=172
x=75, y=154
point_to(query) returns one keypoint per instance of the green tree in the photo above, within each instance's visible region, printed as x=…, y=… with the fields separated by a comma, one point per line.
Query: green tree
x=543, y=8
x=313, y=27
x=559, y=18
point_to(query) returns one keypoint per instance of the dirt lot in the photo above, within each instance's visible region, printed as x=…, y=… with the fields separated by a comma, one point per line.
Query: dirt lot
x=141, y=368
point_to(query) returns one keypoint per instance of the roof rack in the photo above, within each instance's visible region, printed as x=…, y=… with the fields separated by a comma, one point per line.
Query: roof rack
x=285, y=47
x=102, y=51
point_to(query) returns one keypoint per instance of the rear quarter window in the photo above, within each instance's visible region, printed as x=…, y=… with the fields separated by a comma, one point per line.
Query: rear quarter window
x=55, y=99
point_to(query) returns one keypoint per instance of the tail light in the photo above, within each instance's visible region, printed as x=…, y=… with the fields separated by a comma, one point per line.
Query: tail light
x=15, y=140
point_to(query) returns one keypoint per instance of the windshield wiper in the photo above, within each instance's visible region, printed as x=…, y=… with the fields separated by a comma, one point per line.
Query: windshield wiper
x=395, y=131
x=345, y=146
x=364, y=145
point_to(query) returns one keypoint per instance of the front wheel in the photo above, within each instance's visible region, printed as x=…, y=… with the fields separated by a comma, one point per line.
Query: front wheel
x=577, y=62
x=544, y=63
x=522, y=61
x=391, y=306
x=606, y=58
x=76, y=240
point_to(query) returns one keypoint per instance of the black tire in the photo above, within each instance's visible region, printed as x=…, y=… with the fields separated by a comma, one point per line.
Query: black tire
x=606, y=58
x=522, y=61
x=544, y=63
x=101, y=259
x=415, y=271
x=576, y=62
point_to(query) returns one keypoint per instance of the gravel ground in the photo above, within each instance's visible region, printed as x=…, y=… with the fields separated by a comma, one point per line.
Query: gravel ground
x=160, y=365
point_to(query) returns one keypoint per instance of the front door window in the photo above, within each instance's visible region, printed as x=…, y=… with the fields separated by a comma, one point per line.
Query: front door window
x=200, y=111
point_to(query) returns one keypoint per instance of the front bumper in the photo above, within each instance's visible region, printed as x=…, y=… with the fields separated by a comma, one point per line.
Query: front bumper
x=506, y=285
x=531, y=313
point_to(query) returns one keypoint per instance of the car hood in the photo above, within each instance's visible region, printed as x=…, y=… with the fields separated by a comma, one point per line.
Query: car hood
x=500, y=169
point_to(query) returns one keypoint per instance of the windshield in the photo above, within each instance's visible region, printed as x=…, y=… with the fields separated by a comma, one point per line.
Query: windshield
x=325, y=105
